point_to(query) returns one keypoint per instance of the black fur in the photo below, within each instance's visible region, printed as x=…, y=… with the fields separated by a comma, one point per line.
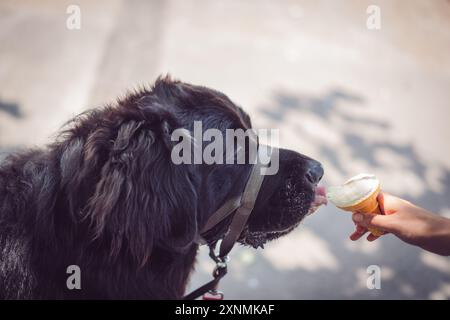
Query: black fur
x=106, y=197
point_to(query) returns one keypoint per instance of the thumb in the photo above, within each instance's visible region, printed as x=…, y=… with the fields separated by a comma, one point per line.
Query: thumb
x=378, y=221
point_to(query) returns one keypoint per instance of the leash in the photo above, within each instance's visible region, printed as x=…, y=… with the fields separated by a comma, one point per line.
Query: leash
x=209, y=290
x=242, y=207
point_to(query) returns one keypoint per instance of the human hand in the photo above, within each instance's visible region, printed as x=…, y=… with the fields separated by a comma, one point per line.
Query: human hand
x=408, y=222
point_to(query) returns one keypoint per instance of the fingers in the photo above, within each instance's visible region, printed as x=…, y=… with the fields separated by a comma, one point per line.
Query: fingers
x=367, y=220
x=358, y=233
x=388, y=222
x=371, y=237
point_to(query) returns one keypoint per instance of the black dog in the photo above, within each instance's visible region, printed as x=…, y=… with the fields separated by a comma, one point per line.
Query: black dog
x=107, y=198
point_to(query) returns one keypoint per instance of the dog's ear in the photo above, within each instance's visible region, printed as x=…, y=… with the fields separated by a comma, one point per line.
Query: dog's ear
x=142, y=199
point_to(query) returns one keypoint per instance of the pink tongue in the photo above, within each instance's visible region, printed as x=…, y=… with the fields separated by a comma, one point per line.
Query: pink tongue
x=320, y=197
x=321, y=191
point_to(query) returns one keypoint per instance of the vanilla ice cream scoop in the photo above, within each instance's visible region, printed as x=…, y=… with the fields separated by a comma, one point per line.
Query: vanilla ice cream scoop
x=359, y=194
x=353, y=191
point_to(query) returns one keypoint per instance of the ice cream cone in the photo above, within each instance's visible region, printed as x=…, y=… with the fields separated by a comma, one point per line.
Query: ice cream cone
x=367, y=205
x=359, y=194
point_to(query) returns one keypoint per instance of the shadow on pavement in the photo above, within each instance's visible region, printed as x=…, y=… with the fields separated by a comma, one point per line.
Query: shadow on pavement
x=11, y=109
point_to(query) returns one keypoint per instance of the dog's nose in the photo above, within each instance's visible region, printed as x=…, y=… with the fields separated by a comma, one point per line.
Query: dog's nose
x=314, y=173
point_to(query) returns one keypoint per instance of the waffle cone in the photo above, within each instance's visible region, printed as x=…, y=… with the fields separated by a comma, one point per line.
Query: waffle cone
x=368, y=205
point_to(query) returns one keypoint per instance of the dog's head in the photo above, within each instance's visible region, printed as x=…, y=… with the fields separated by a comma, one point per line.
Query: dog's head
x=119, y=163
x=284, y=199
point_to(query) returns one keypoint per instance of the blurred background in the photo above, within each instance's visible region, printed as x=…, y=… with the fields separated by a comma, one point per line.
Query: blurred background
x=358, y=99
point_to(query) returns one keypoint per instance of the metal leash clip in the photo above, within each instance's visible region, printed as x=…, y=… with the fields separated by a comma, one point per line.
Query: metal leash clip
x=219, y=271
